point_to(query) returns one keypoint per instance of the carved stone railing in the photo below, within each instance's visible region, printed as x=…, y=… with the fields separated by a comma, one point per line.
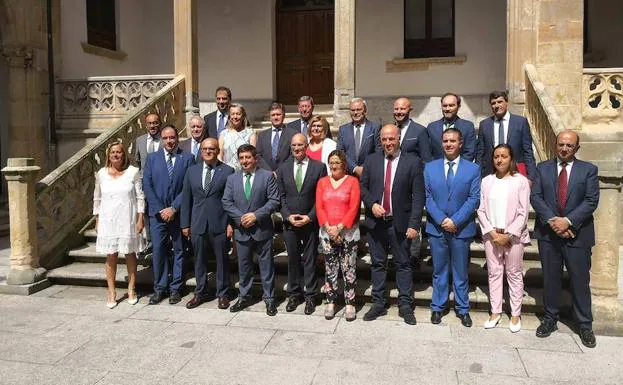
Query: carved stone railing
x=65, y=196
x=545, y=122
x=602, y=95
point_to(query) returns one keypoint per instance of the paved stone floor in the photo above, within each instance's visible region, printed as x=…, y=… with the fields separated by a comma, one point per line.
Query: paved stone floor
x=66, y=335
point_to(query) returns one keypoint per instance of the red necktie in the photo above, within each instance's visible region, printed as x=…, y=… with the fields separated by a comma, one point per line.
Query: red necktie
x=562, y=189
x=388, y=185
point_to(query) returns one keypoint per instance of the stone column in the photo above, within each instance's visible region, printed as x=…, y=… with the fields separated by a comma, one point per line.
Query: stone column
x=607, y=310
x=21, y=174
x=185, y=51
x=520, y=47
x=344, y=60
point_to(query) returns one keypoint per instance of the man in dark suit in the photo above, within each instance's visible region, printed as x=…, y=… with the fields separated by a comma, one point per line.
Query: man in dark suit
x=450, y=105
x=452, y=197
x=413, y=137
x=216, y=121
x=205, y=222
x=196, y=125
x=359, y=138
x=163, y=179
x=250, y=197
x=564, y=195
x=305, y=107
x=392, y=190
x=297, y=178
x=273, y=145
x=504, y=127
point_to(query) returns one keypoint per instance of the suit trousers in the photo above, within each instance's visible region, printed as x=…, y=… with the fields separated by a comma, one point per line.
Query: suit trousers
x=161, y=232
x=381, y=239
x=450, y=254
x=577, y=260
x=205, y=245
x=302, y=247
x=245, y=250
x=507, y=259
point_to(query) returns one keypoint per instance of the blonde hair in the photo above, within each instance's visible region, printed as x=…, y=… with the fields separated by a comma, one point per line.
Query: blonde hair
x=245, y=121
x=126, y=161
x=323, y=121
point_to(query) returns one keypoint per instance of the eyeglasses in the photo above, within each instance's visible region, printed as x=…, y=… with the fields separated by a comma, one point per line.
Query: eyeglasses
x=567, y=145
x=156, y=123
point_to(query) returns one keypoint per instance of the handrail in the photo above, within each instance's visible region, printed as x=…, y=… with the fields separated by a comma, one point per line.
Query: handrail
x=65, y=196
x=545, y=122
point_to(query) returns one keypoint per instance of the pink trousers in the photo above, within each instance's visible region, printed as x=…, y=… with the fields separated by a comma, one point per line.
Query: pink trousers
x=499, y=260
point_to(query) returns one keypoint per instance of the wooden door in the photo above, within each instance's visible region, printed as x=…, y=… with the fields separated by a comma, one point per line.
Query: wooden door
x=305, y=54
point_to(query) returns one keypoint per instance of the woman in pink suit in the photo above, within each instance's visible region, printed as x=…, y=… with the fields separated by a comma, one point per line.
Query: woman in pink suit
x=503, y=218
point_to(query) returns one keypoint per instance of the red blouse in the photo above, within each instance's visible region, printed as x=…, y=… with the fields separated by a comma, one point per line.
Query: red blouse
x=315, y=155
x=338, y=205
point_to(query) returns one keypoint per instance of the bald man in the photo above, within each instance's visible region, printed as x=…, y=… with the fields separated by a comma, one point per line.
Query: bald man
x=564, y=195
x=413, y=136
x=204, y=221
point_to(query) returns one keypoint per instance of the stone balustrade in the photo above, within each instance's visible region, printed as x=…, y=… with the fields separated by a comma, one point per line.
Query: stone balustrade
x=64, y=198
x=602, y=96
x=541, y=112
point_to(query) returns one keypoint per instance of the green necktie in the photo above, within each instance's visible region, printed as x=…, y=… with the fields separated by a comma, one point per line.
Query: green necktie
x=247, y=186
x=298, y=179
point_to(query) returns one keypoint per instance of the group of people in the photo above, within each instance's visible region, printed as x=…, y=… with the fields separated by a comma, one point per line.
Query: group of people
x=225, y=183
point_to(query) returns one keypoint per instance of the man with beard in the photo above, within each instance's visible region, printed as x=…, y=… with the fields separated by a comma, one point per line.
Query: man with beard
x=450, y=105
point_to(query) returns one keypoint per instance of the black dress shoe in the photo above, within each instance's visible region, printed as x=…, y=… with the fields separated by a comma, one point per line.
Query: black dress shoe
x=241, y=304
x=174, y=298
x=271, y=308
x=223, y=302
x=407, y=315
x=310, y=305
x=156, y=298
x=374, y=313
x=293, y=302
x=435, y=317
x=195, y=301
x=546, y=328
x=588, y=338
x=466, y=320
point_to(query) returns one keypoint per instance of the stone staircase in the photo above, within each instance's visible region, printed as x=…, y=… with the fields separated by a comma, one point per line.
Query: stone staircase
x=87, y=269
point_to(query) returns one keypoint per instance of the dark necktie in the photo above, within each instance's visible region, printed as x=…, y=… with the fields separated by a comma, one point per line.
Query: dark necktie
x=450, y=176
x=275, y=145
x=208, y=178
x=388, y=186
x=501, y=136
x=357, y=139
x=170, y=164
x=562, y=189
x=221, y=124
x=304, y=129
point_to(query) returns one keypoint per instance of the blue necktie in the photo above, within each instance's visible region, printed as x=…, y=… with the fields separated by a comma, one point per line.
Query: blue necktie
x=170, y=164
x=501, y=138
x=195, y=148
x=275, y=146
x=304, y=129
x=450, y=177
x=221, y=124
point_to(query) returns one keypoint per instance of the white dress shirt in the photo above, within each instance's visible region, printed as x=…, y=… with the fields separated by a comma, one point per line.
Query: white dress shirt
x=446, y=166
x=205, y=172
x=362, y=128
x=496, y=129
x=155, y=140
x=568, y=168
x=395, y=161
x=166, y=156
x=304, y=164
x=403, y=130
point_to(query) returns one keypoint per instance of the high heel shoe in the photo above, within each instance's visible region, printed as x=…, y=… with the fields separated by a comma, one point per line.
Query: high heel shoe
x=132, y=301
x=114, y=303
x=493, y=322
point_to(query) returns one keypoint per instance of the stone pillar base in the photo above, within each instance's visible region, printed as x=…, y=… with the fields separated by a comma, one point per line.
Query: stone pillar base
x=25, y=276
x=608, y=316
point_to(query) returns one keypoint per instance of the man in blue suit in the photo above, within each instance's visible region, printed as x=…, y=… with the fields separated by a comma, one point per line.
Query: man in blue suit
x=205, y=222
x=452, y=197
x=392, y=190
x=564, y=195
x=305, y=107
x=413, y=136
x=216, y=121
x=250, y=197
x=359, y=138
x=504, y=127
x=450, y=105
x=163, y=179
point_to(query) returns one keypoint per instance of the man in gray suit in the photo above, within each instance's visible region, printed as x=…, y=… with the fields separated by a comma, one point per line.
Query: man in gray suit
x=149, y=142
x=250, y=197
x=193, y=144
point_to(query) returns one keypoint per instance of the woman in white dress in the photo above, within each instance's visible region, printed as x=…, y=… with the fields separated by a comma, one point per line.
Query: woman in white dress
x=118, y=206
x=235, y=135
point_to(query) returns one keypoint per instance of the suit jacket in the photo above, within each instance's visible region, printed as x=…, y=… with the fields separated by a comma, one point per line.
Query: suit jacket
x=265, y=145
x=518, y=138
x=210, y=125
x=459, y=202
x=407, y=191
x=186, y=145
x=202, y=210
x=161, y=192
x=140, y=151
x=293, y=201
x=582, y=200
x=517, y=207
x=296, y=126
x=435, y=134
x=370, y=142
x=416, y=141
x=264, y=201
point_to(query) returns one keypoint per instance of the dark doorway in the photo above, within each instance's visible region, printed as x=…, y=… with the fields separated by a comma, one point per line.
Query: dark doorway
x=305, y=47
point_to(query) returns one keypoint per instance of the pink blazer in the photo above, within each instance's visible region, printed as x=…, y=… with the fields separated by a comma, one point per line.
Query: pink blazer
x=517, y=208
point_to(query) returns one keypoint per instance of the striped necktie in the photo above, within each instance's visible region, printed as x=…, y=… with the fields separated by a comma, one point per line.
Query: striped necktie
x=170, y=164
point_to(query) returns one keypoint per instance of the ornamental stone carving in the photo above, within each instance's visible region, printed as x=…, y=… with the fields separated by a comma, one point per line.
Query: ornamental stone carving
x=603, y=95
